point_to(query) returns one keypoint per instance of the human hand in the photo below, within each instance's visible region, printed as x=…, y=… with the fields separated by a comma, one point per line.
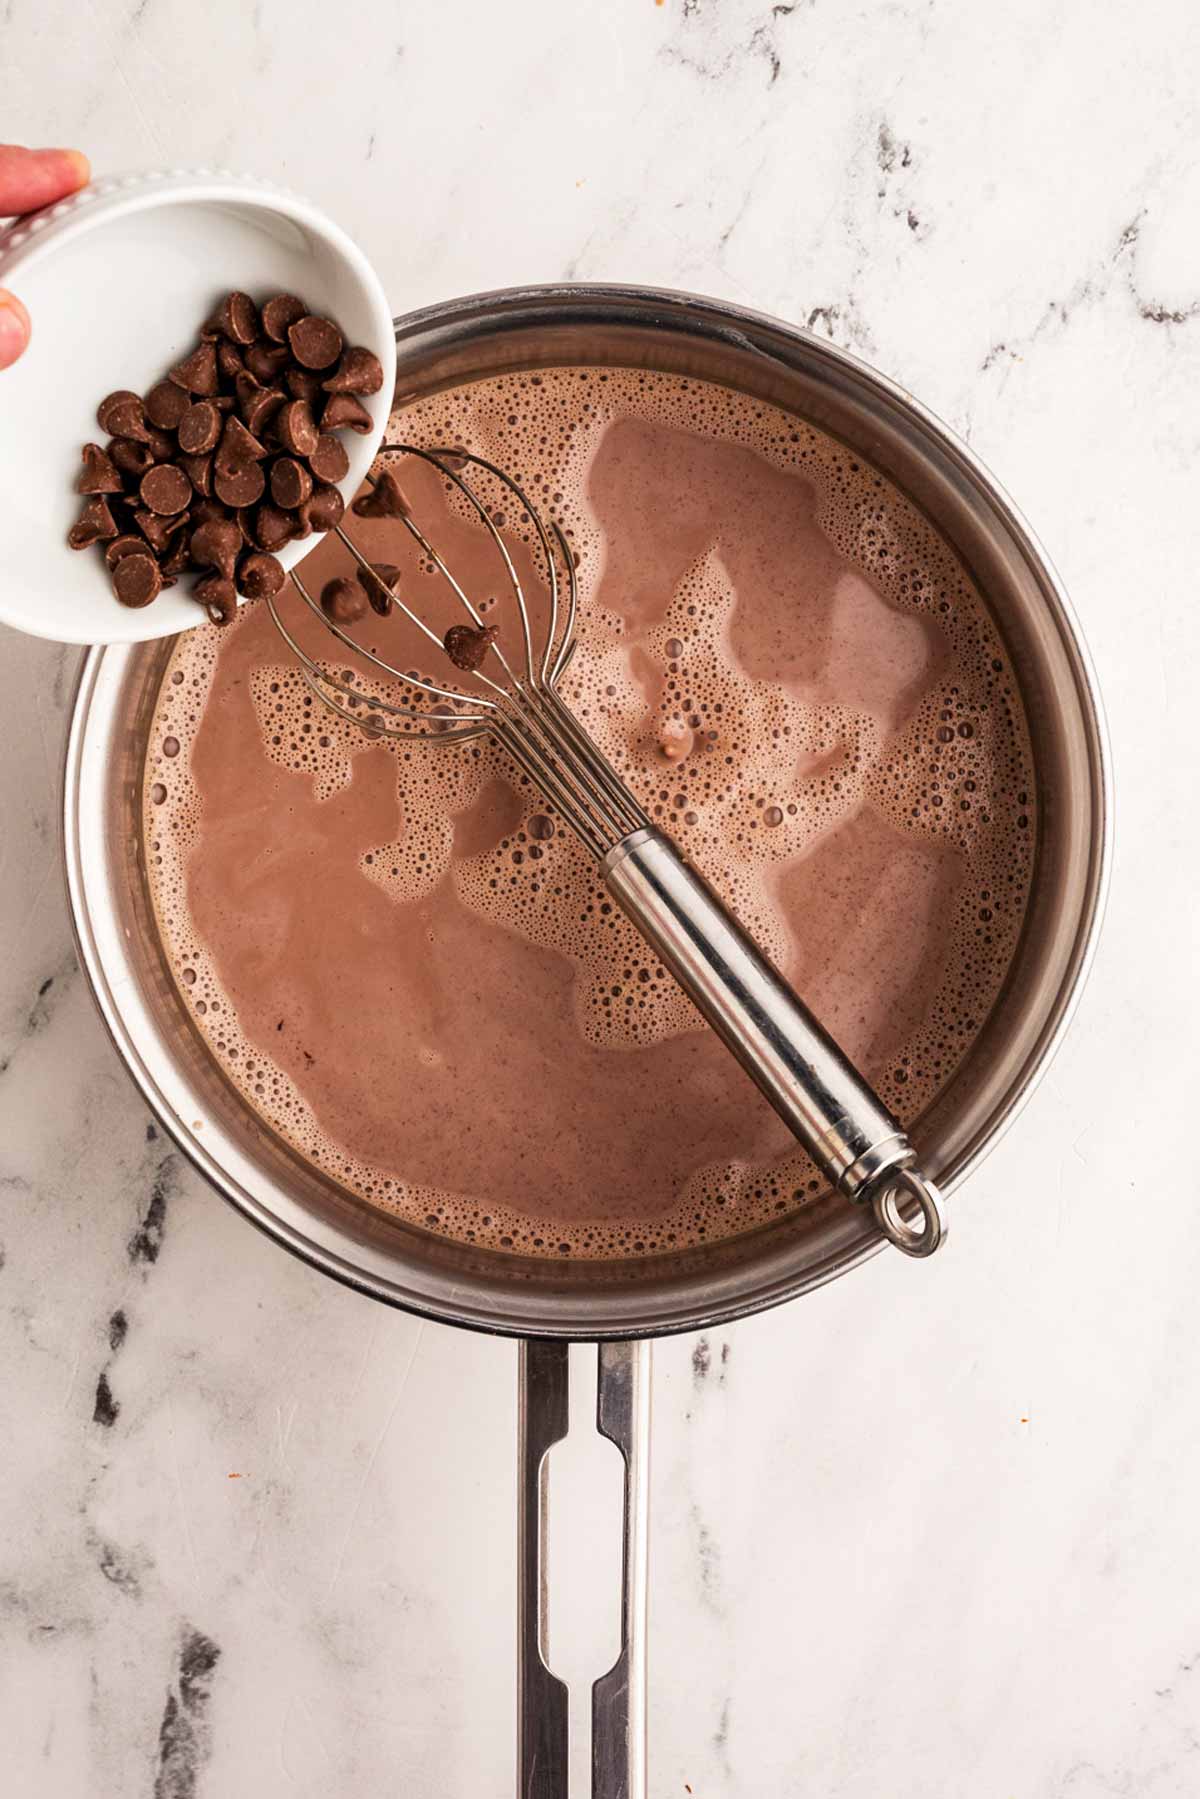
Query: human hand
x=29, y=179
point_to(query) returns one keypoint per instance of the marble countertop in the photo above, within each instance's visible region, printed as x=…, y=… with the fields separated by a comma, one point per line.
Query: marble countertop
x=931, y=1531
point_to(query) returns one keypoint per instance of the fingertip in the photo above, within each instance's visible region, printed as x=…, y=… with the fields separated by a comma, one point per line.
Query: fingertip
x=14, y=328
x=79, y=167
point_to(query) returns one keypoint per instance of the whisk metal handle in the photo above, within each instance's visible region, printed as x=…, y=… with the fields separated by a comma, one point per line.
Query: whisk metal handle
x=796, y=1064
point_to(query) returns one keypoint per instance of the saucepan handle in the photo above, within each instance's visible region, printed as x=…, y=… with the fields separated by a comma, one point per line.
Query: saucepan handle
x=619, y=1696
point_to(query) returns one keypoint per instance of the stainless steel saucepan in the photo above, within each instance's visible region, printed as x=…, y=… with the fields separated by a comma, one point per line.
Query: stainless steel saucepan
x=620, y=1304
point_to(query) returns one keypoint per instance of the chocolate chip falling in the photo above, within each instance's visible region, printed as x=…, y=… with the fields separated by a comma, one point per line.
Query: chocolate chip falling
x=375, y=582
x=199, y=428
x=216, y=544
x=315, y=342
x=343, y=601
x=218, y=596
x=137, y=579
x=467, y=645
x=259, y=575
x=165, y=488
x=359, y=372
x=166, y=404
x=329, y=461
x=280, y=313
x=95, y=524
x=291, y=483
x=197, y=373
x=98, y=474
x=343, y=411
x=383, y=500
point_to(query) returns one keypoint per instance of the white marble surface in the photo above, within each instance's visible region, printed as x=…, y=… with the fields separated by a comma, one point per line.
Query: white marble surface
x=930, y=1532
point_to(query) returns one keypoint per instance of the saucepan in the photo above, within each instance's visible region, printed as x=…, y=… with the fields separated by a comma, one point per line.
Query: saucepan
x=619, y=1304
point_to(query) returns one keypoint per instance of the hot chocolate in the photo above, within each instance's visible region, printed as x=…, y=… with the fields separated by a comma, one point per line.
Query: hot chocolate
x=410, y=969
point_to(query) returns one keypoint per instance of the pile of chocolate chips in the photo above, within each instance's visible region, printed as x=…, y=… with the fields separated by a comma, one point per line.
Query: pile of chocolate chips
x=231, y=456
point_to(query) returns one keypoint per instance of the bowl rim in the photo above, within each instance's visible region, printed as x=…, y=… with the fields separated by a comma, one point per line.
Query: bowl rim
x=505, y=1308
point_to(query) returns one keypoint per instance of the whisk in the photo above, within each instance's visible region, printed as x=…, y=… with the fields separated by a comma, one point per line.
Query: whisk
x=814, y=1088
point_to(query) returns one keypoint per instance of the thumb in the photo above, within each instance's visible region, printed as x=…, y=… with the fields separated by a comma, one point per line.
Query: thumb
x=14, y=328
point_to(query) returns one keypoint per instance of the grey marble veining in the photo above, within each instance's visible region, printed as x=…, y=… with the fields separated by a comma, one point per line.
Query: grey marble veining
x=930, y=1531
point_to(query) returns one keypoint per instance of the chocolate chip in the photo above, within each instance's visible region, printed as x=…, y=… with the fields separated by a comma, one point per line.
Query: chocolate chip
x=329, y=461
x=95, y=524
x=237, y=317
x=291, y=483
x=265, y=360
x=359, y=372
x=197, y=373
x=241, y=485
x=245, y=523
x=342, y=411
x=225, y=402
x=199, y=428
x=178, y=556
x=98, y=475
x=198, y=470
x=315, y=342
x=273, y=528
x=295, y=428
x=133, y=459
x=137, y=579
x=239, y=445
x=323, y=509
x=155, y=527
x=201, y=512
x=303, y=384
x=468, y=645
x=218, y=596
x=161, y=447
x=259, y=574
x=279, y=313
x=383, y=500
x=116, y=401
x=165, y=488
x=216, y=544
x=125, y=545
x=260, y=406
x=375, y=582
x=229, y=360
x=166, y=404
x=343, y=601
x=123, y=416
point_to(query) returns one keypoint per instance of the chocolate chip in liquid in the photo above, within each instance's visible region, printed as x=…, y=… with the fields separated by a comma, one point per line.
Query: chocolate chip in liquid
x=375, y=582
x=467, y=645
x=383, y=500
x=343, y=601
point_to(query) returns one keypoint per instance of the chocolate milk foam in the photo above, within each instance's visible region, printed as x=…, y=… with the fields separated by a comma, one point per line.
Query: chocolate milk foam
x=411, y=971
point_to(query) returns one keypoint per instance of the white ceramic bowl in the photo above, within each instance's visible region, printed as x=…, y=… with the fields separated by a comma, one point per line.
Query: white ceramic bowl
x=118, y=280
